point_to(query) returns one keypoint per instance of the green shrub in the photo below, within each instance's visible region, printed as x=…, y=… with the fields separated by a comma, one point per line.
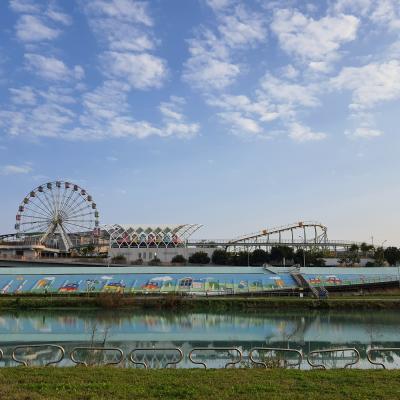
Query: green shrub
x=199, y=258
x=155, y=261
x=120, y=259
x=178, y=259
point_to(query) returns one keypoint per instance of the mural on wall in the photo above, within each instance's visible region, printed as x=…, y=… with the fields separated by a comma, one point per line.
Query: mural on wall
x=178, y=282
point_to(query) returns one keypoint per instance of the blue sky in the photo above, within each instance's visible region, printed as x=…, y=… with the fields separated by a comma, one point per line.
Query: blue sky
x=236, y=114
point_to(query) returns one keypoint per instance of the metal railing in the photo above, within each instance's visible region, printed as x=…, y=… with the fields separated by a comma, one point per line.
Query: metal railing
x=332, y=351
x=380, y=350
x=37, y=346
x=154, y=349
x=224, y=349
x=275, y=350
x=292, y=358
x=101, y=350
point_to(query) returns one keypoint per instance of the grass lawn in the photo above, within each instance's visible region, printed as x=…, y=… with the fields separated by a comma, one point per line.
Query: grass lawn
x=114, y=301
x=117, y=383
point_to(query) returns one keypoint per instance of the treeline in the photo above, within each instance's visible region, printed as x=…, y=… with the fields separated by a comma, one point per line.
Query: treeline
x=378, y=255
x=280, y=255
x=277, y=255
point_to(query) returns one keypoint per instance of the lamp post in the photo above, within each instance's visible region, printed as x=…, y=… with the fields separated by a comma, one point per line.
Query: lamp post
x=304, y=253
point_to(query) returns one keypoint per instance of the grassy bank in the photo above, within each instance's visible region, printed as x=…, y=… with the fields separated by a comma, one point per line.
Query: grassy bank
x=115, y=383
x=173, y=302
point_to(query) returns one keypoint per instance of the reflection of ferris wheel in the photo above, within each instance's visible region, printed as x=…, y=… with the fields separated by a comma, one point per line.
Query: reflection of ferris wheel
x=57, y=208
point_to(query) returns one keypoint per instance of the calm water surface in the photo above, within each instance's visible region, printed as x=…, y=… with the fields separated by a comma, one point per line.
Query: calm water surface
x=302, y=330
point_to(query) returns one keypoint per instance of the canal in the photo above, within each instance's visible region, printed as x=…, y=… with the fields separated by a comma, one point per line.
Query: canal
x=305, y=331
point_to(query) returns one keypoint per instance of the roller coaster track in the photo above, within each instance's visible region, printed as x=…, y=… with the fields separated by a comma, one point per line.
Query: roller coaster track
x=319, y=230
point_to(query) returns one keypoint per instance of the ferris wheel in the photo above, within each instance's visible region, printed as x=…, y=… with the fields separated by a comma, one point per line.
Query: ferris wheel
x=57, y=209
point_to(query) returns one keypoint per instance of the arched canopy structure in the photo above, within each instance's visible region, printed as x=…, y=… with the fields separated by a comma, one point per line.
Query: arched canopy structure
x=159, y=236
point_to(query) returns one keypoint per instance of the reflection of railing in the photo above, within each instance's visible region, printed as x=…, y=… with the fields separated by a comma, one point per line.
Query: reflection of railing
x=224, y=349
x=274, y=350
x=333, y=351
x=97, y=350
x=380, y=350
x=154, y=349
x=38, y=346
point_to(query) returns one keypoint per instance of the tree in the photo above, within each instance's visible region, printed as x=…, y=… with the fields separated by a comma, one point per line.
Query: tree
x=241, y=258
x=392, y=255
x=220, y=257
x=199, y=258
x=311, y=258
x=354, y=248
x=351, y=257
x=279, y=253
x=379, y=256
x=178, y=259
x=300, y=257
x=366, y=248
x=259, y=257
x=91, y=248
x=316, y=258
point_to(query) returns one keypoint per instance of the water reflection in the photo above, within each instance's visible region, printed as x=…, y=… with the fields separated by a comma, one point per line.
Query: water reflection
x=301, y=330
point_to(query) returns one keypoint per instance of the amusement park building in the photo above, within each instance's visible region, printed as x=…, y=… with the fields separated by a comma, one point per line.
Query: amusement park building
x=143, y=242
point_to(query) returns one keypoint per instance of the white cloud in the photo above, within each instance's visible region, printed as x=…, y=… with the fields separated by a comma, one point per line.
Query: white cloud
x=242, y=28
x=130, y=11
x=174, y=119
x=180, y=130
x=276, y=102
x=105, y=114
x=301, y=133
x=173, y=109
x=124, y=26
x=241, y=124
x=51, y=68
x=141, y=71
x=293, y=94
x=370, y=84
x=205, y=72
x=290, y=72
x=24, y=6
x=364, y=133
x=316, y=42
x=31, y=28
x=58, y=16
x=23, y=95
x=218, y=5
x=260, y=110
x=122, y=35
x=15, y=169
x=385, y=13
x=211, y=65
x=243, y=116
